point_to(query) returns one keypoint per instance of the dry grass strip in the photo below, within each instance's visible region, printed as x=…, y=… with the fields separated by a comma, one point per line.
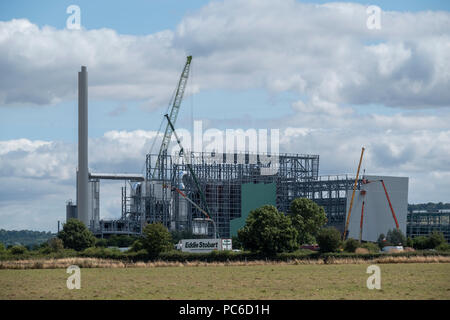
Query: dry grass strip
x=391, y=259
x=104, y=263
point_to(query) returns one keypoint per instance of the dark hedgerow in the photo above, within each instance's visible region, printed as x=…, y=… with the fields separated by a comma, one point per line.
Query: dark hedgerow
x=215, y=256
x=329, y=239
x=350, y=245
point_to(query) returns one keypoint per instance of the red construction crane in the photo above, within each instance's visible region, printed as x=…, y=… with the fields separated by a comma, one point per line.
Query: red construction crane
x=363, y=193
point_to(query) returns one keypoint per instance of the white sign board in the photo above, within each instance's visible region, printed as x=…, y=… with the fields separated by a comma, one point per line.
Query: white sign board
x=226, y=244
x=204, y=245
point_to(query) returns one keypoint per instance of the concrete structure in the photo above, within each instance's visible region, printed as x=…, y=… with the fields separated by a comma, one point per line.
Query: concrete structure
x=71, y=210
x=377, y=214
x=83, y=170
x=93, y=204
x=87, y=208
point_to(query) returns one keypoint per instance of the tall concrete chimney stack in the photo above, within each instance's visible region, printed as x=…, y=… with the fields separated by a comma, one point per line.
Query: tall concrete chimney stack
x=83, y=173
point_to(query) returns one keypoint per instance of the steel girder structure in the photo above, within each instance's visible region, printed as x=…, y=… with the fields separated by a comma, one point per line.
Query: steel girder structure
x=221, y=177
x=330, y=192
x=423, y=222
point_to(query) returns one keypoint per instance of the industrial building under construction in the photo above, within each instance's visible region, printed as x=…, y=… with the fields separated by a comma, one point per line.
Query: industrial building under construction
x=211, y=193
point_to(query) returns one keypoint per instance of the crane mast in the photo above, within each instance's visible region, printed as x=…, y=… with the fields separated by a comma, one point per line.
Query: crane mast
x=194, y=177
x=172, y=116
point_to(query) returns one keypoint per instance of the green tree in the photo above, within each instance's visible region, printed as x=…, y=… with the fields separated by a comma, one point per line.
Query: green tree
x=268, y=231
x=350, y=245
x=55, y=244
x=137, y=246
x=75, y=235
x=329, y=239
x=120, y=241
x=409, y=242
x=420, y=243
x=156, y=239
x=372, y=247
x=113, y=241
x=236, y=243
x=435, y=239
x=396, y=237
x=443, y=247
x=101, y=243
x=2, y=247
x=18, y=249
x=307, y=218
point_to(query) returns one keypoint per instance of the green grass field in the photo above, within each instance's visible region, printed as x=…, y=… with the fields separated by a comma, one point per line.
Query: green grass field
x=398, y=281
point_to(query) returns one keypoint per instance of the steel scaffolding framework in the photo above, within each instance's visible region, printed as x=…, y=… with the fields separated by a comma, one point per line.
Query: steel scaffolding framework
x=330, y=192
x=221, y=177
x=423, y=222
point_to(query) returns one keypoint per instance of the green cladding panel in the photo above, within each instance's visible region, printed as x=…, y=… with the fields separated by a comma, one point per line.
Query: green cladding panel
x=253, y=196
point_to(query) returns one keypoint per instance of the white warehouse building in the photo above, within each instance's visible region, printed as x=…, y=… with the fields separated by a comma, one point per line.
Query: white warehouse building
x=377, y=216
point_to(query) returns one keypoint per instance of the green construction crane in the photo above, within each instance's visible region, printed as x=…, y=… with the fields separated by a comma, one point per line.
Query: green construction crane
x=173, y=115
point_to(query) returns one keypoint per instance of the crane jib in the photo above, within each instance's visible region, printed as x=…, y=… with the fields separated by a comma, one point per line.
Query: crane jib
x=173, y=114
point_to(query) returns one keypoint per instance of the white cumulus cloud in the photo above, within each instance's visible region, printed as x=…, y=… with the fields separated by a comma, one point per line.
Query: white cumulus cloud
x=323, y=51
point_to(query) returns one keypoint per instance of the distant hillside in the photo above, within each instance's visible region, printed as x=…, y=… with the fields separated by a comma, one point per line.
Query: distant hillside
x=27, y=238
x=429, y=206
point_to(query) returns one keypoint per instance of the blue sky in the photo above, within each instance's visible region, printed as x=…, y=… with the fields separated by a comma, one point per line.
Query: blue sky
x=143, y=17
x=316, y=73
x=128, y=17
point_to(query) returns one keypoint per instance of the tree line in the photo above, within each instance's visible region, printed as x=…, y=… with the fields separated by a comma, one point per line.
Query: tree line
x=267, y=232
x=25, y=238
x=429, y=206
